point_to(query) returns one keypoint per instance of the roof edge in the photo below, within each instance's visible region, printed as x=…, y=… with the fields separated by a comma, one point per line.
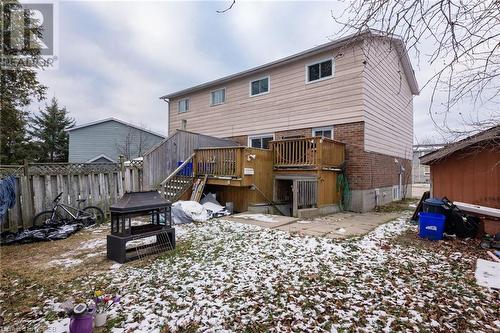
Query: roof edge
x=492, y=133
x=118, y=121
x=401, y=49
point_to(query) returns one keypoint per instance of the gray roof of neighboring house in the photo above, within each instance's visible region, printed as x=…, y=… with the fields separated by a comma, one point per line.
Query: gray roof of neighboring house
x=398, y=42
x=490, y=135
x=118, y=121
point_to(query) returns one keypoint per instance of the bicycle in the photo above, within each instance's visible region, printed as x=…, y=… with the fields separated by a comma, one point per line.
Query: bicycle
x=87, y=215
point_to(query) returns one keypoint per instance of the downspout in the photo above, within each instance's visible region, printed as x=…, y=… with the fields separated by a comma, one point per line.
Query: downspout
x=168, y=114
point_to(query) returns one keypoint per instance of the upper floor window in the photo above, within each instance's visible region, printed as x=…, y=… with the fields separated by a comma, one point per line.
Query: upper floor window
x=217, y=97
x=184, y=105
x=259, y=87
x=260, y=141
x=326, y=132
x=320, y=70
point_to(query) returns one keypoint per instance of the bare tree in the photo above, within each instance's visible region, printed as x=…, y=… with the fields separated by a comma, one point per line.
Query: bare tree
x=133, y=144
x=460, y=39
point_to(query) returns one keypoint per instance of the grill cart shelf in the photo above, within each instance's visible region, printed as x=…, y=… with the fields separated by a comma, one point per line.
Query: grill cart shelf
x=127, y=241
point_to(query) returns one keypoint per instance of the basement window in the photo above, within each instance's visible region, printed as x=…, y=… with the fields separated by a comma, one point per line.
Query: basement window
x=260, y=141
x=260, y=86
x=326, y=132
x=184, y=105
x=320, y=70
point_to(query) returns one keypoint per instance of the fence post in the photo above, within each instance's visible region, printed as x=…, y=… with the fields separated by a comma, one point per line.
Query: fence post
x=27, y=197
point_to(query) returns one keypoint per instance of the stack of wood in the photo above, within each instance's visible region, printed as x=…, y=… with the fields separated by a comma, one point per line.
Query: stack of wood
x=198, y=187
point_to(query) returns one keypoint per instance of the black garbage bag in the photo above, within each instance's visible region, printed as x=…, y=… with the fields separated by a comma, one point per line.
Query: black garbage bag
x=43, y=233
x=458, y=223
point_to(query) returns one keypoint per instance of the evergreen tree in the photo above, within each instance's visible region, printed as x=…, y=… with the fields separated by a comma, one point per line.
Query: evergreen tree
x=49, y=130
x=18, y=87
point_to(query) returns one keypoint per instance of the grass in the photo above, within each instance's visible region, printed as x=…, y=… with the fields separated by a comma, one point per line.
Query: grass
x=397, y=206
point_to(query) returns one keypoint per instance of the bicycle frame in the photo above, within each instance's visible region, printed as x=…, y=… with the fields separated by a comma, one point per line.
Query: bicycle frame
x=79, y=213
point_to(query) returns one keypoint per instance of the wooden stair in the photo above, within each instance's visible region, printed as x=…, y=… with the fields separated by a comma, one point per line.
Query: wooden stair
x=177, y=183
x=176, y=186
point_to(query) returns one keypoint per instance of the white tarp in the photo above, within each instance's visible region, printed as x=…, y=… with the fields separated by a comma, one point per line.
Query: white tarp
x=188, y=211
x=488, y=273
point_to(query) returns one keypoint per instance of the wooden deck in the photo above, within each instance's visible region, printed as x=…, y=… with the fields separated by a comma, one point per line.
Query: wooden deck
x=307, y=153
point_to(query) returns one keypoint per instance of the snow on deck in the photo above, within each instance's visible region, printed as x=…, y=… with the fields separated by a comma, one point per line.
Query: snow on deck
x=228, y=276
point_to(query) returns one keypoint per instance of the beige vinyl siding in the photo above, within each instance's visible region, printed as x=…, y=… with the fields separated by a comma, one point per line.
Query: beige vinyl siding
x=290, y=104
x=388, y=102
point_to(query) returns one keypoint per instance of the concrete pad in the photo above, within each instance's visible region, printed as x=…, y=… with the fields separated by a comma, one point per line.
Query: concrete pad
x=262, y=220
x=339, y=225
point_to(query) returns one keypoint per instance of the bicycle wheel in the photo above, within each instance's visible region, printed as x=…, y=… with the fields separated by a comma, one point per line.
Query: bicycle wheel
x=95, y=214
x=47, y=217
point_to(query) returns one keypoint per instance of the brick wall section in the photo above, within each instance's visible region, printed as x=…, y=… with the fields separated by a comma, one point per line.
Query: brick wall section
x=242, y=140
x=305, y=132
x=367, y=170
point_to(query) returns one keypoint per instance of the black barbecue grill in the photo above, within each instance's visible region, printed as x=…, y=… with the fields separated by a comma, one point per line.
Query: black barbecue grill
x=154, y=233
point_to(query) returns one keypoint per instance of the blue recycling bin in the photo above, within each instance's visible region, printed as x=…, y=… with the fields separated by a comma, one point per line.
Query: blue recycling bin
x=431, y=225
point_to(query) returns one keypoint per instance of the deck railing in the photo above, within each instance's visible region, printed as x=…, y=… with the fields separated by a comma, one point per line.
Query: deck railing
x=307, y=152
x=219, y=162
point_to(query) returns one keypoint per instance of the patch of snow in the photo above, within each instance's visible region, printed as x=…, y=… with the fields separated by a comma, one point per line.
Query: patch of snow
x=233, y=275
x=116, y=266
x=59, y=326
x=303, y=222
x=65, y=262
x=257, y=217
x=340, y=231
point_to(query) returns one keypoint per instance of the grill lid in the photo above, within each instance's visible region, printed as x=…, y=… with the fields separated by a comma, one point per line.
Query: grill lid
x=139, y=201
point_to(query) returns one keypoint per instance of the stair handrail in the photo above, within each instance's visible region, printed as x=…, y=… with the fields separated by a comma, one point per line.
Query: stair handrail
x=179, y=168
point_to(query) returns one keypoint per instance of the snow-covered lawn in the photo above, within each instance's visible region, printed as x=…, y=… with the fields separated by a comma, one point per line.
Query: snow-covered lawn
x=227, y=276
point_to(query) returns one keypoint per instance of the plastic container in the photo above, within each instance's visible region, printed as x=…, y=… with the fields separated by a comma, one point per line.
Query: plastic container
x=431, y=225
x=434, y=205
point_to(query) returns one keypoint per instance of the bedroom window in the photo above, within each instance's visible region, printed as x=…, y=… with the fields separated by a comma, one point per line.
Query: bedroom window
x=320, y=70
x=259, y=87
x=184, y=105
x=218, y=97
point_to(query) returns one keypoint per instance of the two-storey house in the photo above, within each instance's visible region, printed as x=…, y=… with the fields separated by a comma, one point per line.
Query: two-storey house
x=358, y=90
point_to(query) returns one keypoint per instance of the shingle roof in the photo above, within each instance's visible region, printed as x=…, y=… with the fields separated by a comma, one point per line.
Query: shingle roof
x=118, y=121
x=490, y=135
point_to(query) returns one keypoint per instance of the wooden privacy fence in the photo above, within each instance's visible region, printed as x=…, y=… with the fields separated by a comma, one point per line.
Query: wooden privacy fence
x=38, y=184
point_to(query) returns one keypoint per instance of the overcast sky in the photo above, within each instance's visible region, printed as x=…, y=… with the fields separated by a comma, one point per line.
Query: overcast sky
x=117, y=58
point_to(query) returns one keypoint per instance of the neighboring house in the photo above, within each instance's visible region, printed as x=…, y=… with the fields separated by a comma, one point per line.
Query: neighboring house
x=105, y=140
x=422, y=173
x=358, y=90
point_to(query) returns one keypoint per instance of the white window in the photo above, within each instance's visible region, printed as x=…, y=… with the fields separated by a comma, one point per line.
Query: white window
x=184, y=105
x=260, y=141
x=260, y=86
x=184, y=124
x=326, y=132
x=395, y=193
x=218, y=97
x=320, y=70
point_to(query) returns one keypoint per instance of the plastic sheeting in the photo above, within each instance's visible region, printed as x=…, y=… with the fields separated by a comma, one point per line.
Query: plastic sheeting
x=188, y=211
x=44, y=233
